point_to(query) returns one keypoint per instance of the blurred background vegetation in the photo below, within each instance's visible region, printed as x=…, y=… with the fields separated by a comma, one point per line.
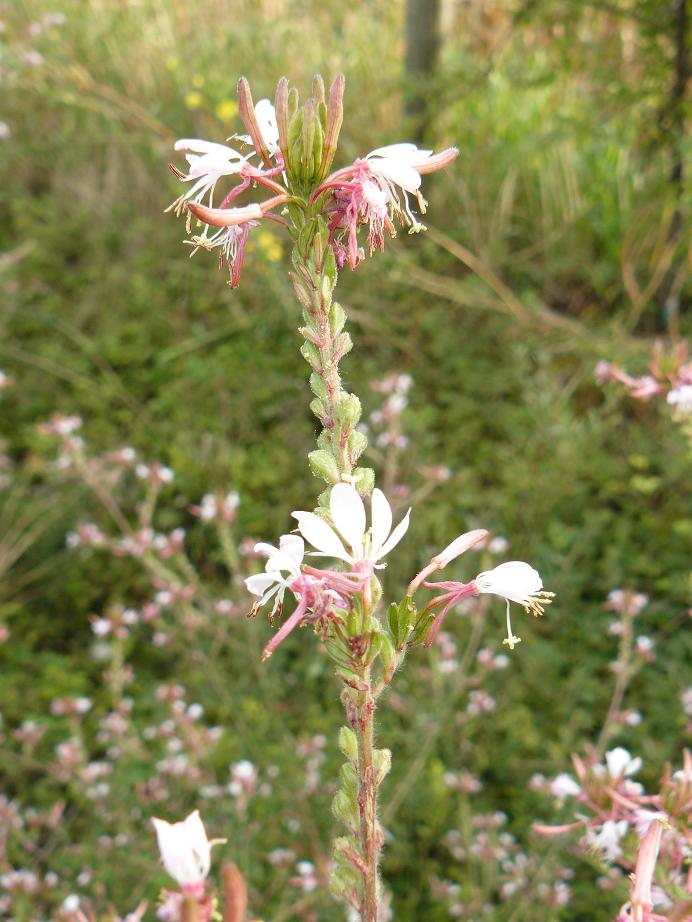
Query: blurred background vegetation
x=556, y=240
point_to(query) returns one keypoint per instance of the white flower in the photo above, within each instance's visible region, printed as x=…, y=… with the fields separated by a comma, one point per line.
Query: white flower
x=515, y=581
x=607, y=840
x=208, y=163
x=244, y=770
x=621, y=764
x=287, y=557
x=184, y=848
x=681, y=397
x=348, y=514
x=564, y=786
x=70, y=904
x=498, y=545
x=397, y=163
x=644, y=645
x=518, y=582
x=644, y=818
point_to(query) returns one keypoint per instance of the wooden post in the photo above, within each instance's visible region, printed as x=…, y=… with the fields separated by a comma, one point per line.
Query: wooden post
x=422, y=44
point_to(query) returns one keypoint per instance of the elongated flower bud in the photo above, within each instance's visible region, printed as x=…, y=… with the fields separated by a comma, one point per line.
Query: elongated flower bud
x=225, y=217
x=335, y=117
x=281, y=108
x=459, y=546
x=247, y=113
x=235, y=894
x=438, y=161
x=318, y=88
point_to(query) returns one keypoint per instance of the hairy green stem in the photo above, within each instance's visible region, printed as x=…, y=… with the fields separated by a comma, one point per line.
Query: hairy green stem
x=339, y=444
x=367, y=803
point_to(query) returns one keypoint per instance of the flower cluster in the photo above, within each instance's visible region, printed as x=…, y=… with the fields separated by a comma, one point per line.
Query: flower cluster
x=325, y=595
x=373, y=192
x=634, y=832
x=668, y=374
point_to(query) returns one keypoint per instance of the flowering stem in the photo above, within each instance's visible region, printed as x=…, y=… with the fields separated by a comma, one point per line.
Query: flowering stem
x=339, y=446
x=624, y=674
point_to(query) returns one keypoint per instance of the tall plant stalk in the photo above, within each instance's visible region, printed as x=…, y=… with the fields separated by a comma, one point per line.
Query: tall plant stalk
x=325, y=214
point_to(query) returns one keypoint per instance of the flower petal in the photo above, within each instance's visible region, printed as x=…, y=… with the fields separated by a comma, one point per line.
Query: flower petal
x=403, y=148
x=514, y=580
x=399, y=173
x=317, y=533
x=278, y=558
x=259, y=583
x=381, y=520
x=216, y=164
x=184, y=848
x=395, y=536
x=293, y=546
x=348, y=513
x=266, y=119
x=197, y=838
x=207, y=147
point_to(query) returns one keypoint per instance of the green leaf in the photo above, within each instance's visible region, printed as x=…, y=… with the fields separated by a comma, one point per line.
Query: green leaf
x=348, y=744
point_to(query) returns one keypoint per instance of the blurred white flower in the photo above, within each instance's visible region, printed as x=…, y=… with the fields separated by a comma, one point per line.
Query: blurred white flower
x=607, y=839
x=564, y=786
x=681, y=398
x=621, y=764
x=498, y=545
x=70, y=904
x=184, y=848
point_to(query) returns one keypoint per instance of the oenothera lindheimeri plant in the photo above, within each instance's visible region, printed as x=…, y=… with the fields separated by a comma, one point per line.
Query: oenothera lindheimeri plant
x=332, y=218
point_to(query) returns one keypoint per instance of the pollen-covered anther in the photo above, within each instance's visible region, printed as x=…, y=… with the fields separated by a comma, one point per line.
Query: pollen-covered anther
x=537, y=603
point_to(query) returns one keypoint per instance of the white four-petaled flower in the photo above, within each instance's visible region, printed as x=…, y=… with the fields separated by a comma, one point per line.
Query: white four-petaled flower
x=208, y=162
x=398, y=165
x=286, y=558
x=564, y=786
x=621, y=764
x=184, y=848
x=514, y=581
x=350, y=539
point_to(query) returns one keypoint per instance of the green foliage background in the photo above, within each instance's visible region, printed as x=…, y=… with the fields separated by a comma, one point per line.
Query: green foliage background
x=561, y=191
